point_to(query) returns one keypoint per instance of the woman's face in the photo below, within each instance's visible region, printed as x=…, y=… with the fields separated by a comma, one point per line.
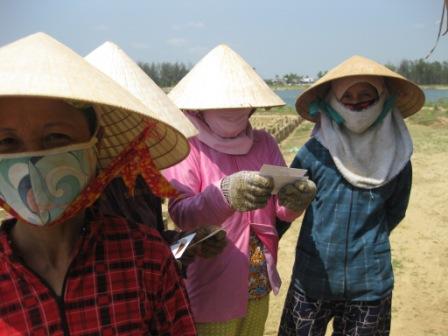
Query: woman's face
x=359, y=93
x=35, y=124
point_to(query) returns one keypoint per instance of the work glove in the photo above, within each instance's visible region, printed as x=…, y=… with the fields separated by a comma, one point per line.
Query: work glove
x=247, y=190
x=296, y=196
x=211, y=246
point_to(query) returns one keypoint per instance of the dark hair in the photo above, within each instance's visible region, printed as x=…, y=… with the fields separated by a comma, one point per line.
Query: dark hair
x=90, y=115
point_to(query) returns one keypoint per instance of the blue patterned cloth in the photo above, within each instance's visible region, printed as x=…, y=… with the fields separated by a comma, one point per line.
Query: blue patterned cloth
x=343, y=251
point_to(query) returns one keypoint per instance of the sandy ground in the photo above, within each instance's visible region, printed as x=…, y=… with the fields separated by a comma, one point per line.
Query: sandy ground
x=419, y=244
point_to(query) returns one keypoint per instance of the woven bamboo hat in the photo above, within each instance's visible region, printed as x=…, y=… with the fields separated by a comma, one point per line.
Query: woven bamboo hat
x=410, y=98
x=222, y=79
x=114, y=62
x=40, y=66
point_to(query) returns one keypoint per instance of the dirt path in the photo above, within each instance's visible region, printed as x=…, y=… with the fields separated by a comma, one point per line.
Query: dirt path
x=419, y=244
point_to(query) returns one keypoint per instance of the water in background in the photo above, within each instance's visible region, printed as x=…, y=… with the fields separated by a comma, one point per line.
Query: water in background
x=432, y=95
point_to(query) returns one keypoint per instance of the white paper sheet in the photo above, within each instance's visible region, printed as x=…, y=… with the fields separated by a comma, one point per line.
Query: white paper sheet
x=282, y=175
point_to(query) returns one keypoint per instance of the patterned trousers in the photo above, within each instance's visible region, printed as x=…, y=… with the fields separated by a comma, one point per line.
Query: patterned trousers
x=303, y=316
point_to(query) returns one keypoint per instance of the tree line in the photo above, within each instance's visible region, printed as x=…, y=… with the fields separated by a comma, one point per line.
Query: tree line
x=168, y=74
x=422, y=72
x=165, y=74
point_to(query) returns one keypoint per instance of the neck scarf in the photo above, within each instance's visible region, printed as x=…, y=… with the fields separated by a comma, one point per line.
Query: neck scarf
x=372, y=158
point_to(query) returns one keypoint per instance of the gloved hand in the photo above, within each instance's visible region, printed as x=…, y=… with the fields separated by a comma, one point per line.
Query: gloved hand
x=210, y=247
x=247, y=190
x=298, y=195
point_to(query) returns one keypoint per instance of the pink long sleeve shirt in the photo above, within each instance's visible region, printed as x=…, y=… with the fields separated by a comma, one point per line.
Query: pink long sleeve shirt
x=218, y=287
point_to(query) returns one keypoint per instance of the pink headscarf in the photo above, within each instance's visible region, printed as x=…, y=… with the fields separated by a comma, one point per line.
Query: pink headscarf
x=225, y=130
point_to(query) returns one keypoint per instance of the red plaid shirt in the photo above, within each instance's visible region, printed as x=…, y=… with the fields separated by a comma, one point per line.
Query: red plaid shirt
x=123, y=281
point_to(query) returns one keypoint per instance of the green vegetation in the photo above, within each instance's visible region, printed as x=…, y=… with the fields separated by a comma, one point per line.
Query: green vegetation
x=165, y=74
x=422, y=72
x=279, y=87
x=433, y=114
x=397, y=264
x=432, y=75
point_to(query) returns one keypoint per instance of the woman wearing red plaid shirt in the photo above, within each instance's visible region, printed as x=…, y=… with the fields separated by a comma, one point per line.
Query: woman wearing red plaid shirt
x=66, y=131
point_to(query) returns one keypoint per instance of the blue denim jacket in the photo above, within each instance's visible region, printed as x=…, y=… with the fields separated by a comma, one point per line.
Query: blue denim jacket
x=343, y=251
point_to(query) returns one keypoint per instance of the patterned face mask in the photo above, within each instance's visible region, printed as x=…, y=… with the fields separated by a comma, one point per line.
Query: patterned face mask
x=39, y=186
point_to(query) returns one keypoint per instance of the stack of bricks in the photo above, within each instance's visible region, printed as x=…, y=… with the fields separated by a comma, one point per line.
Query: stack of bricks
x=279, y=126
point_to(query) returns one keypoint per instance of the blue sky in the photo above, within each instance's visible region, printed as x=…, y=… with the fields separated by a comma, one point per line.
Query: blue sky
x=275, y=36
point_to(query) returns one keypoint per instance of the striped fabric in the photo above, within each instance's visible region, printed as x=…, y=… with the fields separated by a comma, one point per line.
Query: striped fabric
x=123, y=281
x=343, y=251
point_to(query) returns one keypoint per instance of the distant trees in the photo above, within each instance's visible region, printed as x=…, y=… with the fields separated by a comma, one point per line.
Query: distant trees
x=165, y=74
x=292, y=78
x=289, y=79
x=422, y=72
x=168, y=74
x=321, y=74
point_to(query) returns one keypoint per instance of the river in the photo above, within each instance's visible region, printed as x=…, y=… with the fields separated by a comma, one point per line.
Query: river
x=432, y=95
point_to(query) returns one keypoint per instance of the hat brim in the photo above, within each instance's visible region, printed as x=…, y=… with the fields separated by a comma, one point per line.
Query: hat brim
x=410, y=97
x=39, y=66
x=115, y=63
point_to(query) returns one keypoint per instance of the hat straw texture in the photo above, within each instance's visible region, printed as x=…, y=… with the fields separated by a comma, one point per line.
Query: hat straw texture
x=410, y=98
x=114, y=62
x=222, y=79
x=40, y=66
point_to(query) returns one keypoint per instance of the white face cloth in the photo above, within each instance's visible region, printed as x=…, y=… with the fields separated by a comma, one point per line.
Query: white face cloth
x=358, y=121
x=373, y=157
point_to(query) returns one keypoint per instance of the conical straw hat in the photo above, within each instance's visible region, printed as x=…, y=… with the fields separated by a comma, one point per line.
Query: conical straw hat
x=40, y=66
x=410, y=98
x=222, y=79
x=114, y=62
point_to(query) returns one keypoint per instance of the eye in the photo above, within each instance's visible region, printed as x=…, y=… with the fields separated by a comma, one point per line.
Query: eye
x=366, y=96
x=57, y=140
x=9, y=144
x=346, y=97
x=8, y=141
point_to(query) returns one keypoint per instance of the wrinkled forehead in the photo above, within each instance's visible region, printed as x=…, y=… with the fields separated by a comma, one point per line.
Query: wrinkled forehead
x=36, y=111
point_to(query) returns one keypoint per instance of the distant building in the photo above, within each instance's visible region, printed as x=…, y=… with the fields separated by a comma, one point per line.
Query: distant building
x=307, y=80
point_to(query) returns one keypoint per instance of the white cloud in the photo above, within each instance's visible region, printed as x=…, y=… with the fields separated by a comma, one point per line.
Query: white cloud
x=177, y=42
